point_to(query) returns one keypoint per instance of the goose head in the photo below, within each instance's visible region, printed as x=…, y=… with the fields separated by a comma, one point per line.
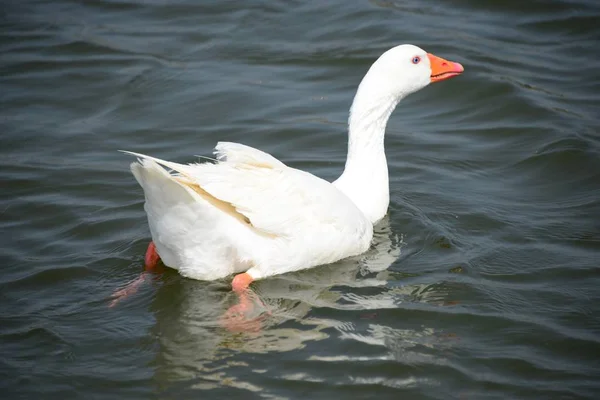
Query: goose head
x=403, y=70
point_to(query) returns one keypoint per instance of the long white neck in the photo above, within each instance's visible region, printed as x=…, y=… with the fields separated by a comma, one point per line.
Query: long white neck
x=365, y=177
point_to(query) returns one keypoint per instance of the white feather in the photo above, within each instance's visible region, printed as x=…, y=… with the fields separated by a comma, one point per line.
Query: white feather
x=293, y=220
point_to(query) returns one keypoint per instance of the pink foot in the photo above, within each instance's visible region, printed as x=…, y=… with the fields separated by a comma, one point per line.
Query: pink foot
x=131, y=288
x=151, y=264
x=238, y=317
x=152, y=258
x=242, y=316
x=241, y=282
x=240, y=310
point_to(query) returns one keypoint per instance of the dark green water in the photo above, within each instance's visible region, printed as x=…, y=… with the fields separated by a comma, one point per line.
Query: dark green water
x=483, y=283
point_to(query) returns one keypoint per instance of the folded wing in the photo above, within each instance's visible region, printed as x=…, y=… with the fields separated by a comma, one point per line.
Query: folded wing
x=261, y=191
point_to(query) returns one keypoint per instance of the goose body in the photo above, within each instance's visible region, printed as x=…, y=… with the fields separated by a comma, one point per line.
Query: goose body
x=250, y=213
x=247, y=212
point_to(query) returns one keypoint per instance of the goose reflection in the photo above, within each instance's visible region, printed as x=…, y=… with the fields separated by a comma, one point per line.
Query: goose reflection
x=312, y=288
x=193, y=338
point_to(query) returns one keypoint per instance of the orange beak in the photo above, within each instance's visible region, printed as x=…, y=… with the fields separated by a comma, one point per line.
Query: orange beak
x=443, y=69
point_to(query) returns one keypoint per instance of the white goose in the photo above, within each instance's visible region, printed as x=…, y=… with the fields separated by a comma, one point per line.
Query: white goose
x=249, y=213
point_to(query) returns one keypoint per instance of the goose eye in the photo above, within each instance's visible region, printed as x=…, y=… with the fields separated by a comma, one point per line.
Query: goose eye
x=416, y=60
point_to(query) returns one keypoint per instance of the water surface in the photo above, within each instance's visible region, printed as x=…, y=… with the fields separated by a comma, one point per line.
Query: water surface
x=481, y=283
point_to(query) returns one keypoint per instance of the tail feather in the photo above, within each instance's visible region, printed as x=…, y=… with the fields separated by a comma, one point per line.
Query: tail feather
x=159, y=186
x=182, y=169
x=190, y=227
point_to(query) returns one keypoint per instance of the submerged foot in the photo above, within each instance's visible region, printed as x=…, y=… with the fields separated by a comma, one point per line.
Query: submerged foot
x=250, y=312
x=151, y=262
x=242, y=317
x=131, y=288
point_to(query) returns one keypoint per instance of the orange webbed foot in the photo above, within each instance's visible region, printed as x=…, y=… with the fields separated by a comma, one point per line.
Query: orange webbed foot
x=241, y=282
x=151, y=264
x=242, y=317
x=131, y=288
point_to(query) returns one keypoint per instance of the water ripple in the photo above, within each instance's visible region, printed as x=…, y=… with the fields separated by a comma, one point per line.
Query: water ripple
x=482, y=281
